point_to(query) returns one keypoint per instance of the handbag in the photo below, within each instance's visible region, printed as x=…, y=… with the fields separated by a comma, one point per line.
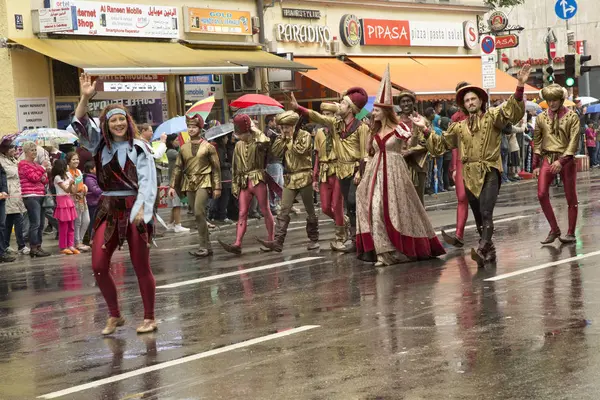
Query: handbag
x=48, y=202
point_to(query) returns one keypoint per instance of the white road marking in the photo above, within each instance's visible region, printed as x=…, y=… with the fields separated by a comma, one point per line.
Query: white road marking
x=495, y=222
x=157, y=367
x=542, y=266
x=235, y=273
x=321, y=221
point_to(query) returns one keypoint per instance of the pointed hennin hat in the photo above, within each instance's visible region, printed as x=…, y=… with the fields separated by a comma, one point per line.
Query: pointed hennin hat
x=384, y=96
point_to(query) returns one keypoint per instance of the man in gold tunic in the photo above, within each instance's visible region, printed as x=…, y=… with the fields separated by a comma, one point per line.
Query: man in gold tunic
x=249, y=178
x=556, y=140
x=326, y=182
x=416, y=154
x=478, y=140
x=350, y=137
x=294, y=145
x=197, y=173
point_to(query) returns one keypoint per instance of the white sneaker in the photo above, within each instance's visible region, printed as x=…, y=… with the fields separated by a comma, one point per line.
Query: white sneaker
x=228, y=221
x=180, y=229
x=25, y=250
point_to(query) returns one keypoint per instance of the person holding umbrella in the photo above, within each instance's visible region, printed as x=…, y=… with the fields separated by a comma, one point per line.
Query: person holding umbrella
x=127, y=176
x=197, y=172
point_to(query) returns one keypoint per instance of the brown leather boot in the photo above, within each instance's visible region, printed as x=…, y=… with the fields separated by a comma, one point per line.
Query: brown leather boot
x=280, y=234
x=231, y=248
x=312, y=231
x=452, y=240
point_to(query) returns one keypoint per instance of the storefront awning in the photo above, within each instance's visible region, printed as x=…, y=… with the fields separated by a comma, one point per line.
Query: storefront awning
x=436, y=77
x=338, y=76
x=108, y=57
x=258, y=59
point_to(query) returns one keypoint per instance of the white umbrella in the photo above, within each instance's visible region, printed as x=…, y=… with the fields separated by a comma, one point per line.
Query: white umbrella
x=44, y=135
x=585, y=100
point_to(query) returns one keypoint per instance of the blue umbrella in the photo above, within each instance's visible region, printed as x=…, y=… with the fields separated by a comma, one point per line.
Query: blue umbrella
x=172, y=126
x=593, y=109
x=367, y=108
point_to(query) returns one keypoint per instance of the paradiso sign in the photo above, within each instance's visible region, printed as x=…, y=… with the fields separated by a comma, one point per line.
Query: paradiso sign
x=303, y=33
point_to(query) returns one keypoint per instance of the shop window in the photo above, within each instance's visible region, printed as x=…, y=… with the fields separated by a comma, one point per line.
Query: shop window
x=66, y=79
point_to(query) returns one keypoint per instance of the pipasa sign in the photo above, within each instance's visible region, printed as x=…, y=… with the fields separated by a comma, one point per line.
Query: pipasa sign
x=507, y=41
x=381, y=32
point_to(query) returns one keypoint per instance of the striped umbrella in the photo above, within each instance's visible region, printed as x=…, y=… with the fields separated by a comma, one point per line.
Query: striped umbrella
x=202, y=108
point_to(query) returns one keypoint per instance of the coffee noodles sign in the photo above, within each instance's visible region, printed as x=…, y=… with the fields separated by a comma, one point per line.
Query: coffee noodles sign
x=126, y=20
x=303, y=33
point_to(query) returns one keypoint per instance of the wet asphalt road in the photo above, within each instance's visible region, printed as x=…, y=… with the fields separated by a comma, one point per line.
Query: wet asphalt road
x=326, y=327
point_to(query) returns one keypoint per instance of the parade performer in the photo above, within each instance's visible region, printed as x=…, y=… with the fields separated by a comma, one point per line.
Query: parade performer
x=326, y=182
x=416, y=154
x=478, y=139
x=392, y=224
x=197, y=173
x=295, y=146
x=127, y=176
x=350, y=137
x=456, y=168
x=556, y=140
x=249, y=178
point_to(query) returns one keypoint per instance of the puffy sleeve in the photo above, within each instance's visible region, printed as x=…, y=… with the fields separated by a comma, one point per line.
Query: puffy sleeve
x=177, y=173
x=281, y=144
x=215, y=170
x=147, y=183
x=262, y=141
x=303, y=143
x=319, y=118
x=88, y=132
x=512, y=111
x=438, y=145
x=573, y=126
x=235, y=173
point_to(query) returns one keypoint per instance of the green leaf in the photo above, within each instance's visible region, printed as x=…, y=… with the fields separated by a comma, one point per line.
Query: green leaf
x=503, y=3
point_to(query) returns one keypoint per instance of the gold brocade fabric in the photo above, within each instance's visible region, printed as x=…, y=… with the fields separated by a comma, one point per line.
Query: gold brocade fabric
x=479, y=149
x=192, y=172
x=249, y=161
x=327, y=157
x=417, y=148
x=351, y=149
x=297, y=162
x=555, y=138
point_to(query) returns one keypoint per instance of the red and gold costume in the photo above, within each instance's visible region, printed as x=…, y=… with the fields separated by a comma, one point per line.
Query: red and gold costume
x=350, y=139
x=325, y=170
x=556, y=139
x=249, y=178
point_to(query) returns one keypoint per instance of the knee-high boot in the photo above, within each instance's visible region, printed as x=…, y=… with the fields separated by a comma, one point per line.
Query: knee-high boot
x=312, y=231
x=280, y=234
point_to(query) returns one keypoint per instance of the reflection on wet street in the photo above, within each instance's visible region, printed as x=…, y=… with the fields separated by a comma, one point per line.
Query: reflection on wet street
x=319, y=325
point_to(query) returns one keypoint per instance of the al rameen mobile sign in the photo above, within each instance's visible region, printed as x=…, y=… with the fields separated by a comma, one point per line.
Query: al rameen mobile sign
x=382, y=32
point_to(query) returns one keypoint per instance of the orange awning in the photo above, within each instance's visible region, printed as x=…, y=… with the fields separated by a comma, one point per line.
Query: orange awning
x=338, y=76
x=436, y=77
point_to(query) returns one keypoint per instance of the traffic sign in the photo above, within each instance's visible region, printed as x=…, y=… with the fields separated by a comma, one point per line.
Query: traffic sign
x=552, y=47
x=488, y=44
x=565, y=9
x=488, y=70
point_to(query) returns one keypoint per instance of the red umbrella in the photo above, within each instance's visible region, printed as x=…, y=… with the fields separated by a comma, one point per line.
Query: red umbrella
x=249, y=100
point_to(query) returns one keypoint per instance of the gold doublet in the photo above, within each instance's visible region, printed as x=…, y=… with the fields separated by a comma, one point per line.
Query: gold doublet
x=198, y=171
x=249, y=161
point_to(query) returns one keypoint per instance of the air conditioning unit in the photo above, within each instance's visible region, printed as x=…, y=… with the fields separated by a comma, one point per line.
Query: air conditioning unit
x=272, y=46
x=333, y=47
x=251, y=80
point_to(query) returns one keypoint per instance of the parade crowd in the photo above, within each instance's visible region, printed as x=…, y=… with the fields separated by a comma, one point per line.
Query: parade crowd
x=369, y=175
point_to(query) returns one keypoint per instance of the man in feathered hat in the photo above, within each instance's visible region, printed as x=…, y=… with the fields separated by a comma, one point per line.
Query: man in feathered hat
x=350, y=138
x=416, y=154
x=249, y=178
x=478, y=139
x=556, y=140
x=197, y=172
x=326, y=182
x=295, y=146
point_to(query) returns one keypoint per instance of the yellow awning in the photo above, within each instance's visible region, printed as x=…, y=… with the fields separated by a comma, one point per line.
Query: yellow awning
x=125, y=57
x=257, y=59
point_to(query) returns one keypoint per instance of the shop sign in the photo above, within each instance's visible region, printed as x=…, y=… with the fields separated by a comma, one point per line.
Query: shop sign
x=134, y=86
x=538, y=61
x=224, y=22
x=33, y=113
x=378, y=32
x=302, y=14
x=198, y=87
x=131, y=78
x=303, y=33
x=498, y=21
x=350, y=30
x=55, y=20
x=507, y=41
x=126, y=20
x=471, y=35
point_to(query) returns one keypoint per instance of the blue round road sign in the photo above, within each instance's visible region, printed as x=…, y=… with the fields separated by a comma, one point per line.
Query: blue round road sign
x=488, y=44
x=565, y=9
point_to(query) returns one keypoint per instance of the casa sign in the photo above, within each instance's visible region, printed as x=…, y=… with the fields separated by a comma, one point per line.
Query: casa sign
x=303, y=33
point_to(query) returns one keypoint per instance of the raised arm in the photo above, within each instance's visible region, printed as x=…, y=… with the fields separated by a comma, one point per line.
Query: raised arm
x=85, y=128
x=313, y=116
x=513, y=110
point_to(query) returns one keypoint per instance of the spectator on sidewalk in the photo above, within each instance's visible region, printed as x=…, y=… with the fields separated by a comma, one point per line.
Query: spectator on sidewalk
x=590, y=142
x=274, y=164
x=15, y=209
